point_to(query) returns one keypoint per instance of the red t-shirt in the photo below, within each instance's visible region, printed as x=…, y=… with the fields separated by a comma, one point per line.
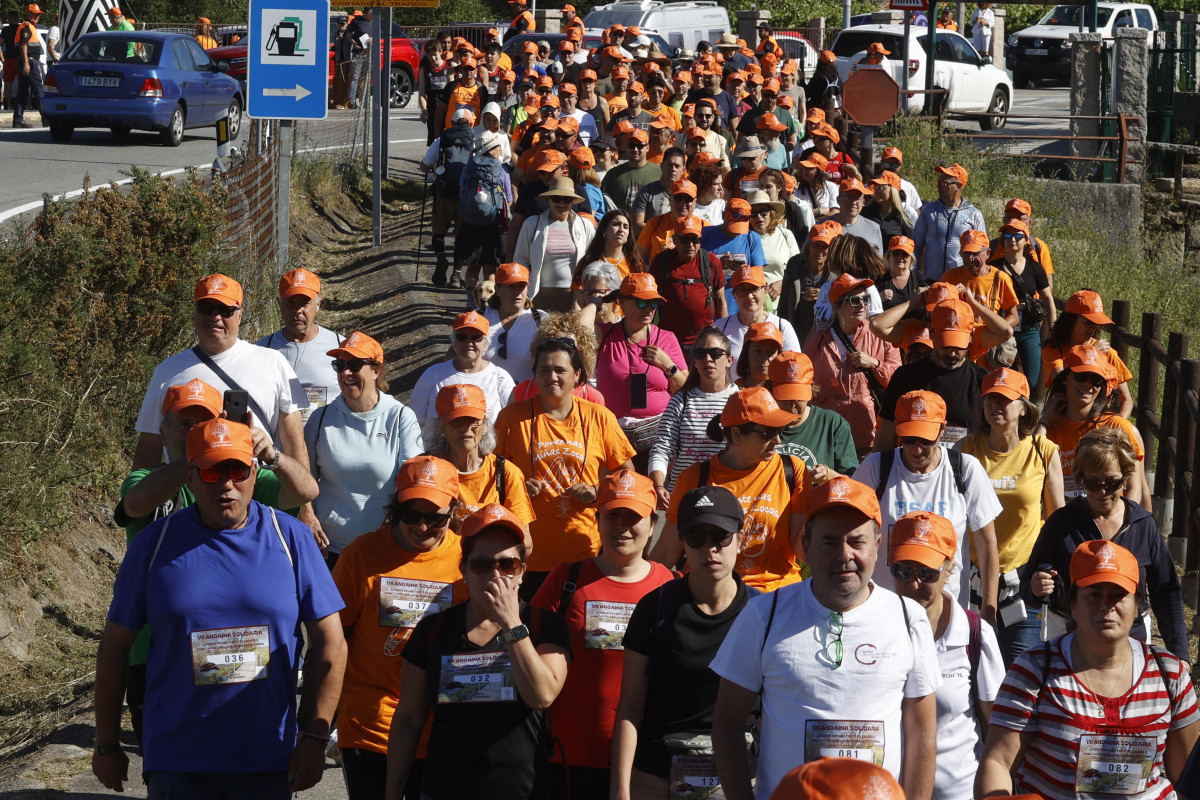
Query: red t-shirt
x=583, y=715
x=689, y=308
x=834, y=171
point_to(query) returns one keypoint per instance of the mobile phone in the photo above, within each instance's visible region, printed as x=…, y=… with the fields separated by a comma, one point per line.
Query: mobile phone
x=637, y=390
x=237, y=404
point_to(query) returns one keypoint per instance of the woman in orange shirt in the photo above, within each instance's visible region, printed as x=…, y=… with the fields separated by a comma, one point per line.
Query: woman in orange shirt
x=1080, y=324
x=569, y=444
x=1079, y=401
x=749, y=467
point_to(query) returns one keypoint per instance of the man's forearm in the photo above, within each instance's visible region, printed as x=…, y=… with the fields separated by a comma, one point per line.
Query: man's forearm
x=155, y=489
x=112, y=663
x=729, y=748
x=322, y=685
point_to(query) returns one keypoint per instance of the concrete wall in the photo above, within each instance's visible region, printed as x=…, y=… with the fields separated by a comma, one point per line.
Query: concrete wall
x=748, y=22
x=1112, y=206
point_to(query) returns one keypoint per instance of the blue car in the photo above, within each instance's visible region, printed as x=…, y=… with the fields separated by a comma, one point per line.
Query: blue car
x=150, y=81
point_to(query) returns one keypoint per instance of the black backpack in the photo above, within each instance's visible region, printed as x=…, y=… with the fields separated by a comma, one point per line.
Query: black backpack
x=454, y=151
x=703, y=281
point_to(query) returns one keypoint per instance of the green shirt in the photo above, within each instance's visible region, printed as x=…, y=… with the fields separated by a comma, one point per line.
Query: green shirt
x=823, y=438
x=622, y=182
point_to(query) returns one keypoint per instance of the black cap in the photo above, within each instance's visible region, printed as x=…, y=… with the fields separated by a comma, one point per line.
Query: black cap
x=605, y=142
x=710, y=505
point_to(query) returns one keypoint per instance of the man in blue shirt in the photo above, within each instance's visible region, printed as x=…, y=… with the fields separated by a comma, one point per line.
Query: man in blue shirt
x=942, y=222
x=735, y=244
x=224, y=584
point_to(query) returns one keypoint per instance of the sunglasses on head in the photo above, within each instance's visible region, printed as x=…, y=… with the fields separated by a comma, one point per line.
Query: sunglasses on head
x=903, y=572
x=1102, y=486
x=410, y=516
x=352, y=364
x=706, y=539
x=235, y=472
x=468, y=337
x=509, y=566
x=207, y=308
x=704, y=353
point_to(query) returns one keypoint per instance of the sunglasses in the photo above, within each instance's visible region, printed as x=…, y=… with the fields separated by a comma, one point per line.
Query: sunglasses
x=761, y=212
x=949, y=183
x=704, y=353
x=643, y=304
x=502, y=350
x=207, y=308
x=766, y=433
x=1101, y=486
x=636, y=145
x=706, y=539
x=236, y=473
x=468, y=337
x=688, y=240
x=1087, y=377
x=857, y=301
x=562, y=199
x=410, y=516
x=903, y=572
x=916, y=441
x=352, y=364
x=509, y=566
x=1012, y=237
x=683, y=198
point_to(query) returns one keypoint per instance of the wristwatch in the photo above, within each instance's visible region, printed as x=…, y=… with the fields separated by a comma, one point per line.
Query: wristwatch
x=671, y=372
x=274, y=465
x=515, y=635
x=107, y=749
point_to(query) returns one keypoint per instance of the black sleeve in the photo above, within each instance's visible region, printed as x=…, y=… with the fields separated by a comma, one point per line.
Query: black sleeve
x=416, y=649
x=1041, y=280
x=891, y=393
x=554, y=629
x=639, y=636
x=1045, y=551
x=1166, y=596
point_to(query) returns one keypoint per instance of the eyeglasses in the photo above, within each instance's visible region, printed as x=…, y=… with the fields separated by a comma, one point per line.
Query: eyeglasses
x=410, y=516
x=765, y=433
x=468, y=337
x=903, y=572
x=509, y=566
x=1102, y=486
x=207, y=308
x=747, y=289
x=237, y=473
x=701, y=539
x=916, y=441
x=643, y=304
x=1012, y=237
x=466, y=422
x=857, y=301
x=704, y=353
x=833, y=625
x=637, y=145
x=352, y=364
x=947, y=182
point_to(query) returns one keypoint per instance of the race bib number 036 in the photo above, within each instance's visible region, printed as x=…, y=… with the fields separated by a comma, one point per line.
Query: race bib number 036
x=476, y=678
x=231, y=655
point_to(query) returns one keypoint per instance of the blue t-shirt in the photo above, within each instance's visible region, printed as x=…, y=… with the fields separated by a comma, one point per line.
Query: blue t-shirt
x=225, y=609
x=715, y=240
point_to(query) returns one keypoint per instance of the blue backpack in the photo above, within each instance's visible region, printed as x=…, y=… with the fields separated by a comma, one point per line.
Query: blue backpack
x=481, y=201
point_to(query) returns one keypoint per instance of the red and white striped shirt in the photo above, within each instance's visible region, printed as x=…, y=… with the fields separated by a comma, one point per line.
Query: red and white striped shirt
x=1061, y=712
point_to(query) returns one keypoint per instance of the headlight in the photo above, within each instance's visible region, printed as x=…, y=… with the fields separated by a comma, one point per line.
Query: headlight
x=1012, y=40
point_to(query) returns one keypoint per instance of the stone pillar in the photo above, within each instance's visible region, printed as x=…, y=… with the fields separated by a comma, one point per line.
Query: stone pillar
x=998, y=37
x=1172, y=22
x=1131, y=64
x=888, y=17
x=549, y=20
x=1193, y=21
x=748, y=22
x=817, y=27
x=1085, y=97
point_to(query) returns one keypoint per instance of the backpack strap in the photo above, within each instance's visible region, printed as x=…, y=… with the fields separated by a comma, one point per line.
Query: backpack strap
x=569, y=587
x=956, y=466
x=162, y=535
x=501, y=487
x=789, y=472
x=770, y=619
x=705, y=472
x=974, y=649
x=886, y=459
x=705, y=275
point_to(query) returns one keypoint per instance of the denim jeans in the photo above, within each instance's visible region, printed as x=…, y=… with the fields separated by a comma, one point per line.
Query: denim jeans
x=218, y=786
x=1018, y=638
x=1029, y=349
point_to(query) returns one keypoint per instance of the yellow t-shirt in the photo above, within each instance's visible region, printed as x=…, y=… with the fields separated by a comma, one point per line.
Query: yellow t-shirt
x=765, y=561
x=1019, y=478
x=477, y=489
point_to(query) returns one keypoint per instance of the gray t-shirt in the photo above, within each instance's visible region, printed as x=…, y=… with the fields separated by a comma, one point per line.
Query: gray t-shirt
x=311, y=364
x=866, y=229
x=653, y=199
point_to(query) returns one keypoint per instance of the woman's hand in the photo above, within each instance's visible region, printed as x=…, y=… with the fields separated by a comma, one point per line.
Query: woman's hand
x=1056, y=406
x=657, y=357
x=775, y=288
x=500, y=598
x=309, y=518
x=1042, y=583
x=811, y=295
x=583, y=492
x=819, y=474
x=664, y=497
x=862, y=360
x=886, y=295
x=533, y=487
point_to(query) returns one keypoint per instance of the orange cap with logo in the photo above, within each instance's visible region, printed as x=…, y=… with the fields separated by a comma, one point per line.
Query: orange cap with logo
x=815, y=161
x=973, y=241
x=741, y=208
x=358, y=345
x=1101, y=561
x=218, y=287
x=626, y=488
x=825, y=232
x=764, y=332
x=1005, y=382
x=917, y=334
x=748, y=274
x=1088, y=305
x=582, y=158
x=684, y=186
x=893, y=154
x=791, y=376
x=940, y=292
x=569, y=125
x=427, y=478
x=493, y=515
x=460, y=400
x=901, y=243
x=828, y=57
x=549, y=160
x=953, y=322
x=887, y=178
x=754, y=405
x=920, y=414
x=1015, y=225
x=299, y=281
x=845, y=284
x=955, y=172
x=923, y=537
x=689, y=226
x=852, y=185
x=1018, y=207
x=508, y=274
x=640, y=135
x=640, y=285
x=471, y=321
x=769, y=121
x=1085, y=358
x=194, y=393
x=217, y=440
x=842, y=491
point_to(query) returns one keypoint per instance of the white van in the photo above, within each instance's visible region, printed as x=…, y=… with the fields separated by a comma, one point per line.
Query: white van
x=683, y=24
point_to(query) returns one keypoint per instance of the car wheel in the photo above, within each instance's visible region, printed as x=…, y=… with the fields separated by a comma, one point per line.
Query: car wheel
x=995, y=114
x=120, y=130
x=401, y=88
x=61, y=132
x=172, y=135
x=235, y=119
x=1021, y=80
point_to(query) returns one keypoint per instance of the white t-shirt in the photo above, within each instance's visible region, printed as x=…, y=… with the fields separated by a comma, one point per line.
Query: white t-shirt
x=736, y=331
x=587, y=126
x=517, y=340
x=912, y=201
x=264, y=373
x=713, y=213
x=936, y=493
x=311, y=365
x=812, y=706
x=496, y=383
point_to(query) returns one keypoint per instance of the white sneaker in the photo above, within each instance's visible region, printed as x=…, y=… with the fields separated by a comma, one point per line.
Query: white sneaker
x=332, y=751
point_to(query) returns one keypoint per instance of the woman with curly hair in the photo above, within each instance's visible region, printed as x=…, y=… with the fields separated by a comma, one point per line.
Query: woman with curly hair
x=566, y=326
x=710, y=193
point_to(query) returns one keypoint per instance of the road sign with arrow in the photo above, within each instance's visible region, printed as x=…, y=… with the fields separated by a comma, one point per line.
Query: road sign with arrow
x=287, y=72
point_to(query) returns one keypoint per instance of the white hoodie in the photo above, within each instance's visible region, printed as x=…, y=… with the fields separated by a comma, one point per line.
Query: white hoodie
x=493, y=108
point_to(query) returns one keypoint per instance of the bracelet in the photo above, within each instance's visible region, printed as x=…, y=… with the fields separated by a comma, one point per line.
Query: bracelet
x=312, y=737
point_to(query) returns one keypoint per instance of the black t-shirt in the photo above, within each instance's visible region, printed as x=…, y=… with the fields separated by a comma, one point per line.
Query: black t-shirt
x=1032, y=280
x=682, y=691
x=899, y=295
x=497, y=750
x=958, y=387
x=8, y=38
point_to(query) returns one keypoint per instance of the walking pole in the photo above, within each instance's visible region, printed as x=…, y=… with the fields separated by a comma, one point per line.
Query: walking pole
x=421, y=229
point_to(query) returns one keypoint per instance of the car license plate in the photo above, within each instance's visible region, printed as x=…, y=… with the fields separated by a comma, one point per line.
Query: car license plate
x=1036, y=51
x=99, y=83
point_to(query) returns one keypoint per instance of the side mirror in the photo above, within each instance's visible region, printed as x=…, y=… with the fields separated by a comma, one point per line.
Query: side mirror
x=675, y=51
x=221, y=66
x=986, y=59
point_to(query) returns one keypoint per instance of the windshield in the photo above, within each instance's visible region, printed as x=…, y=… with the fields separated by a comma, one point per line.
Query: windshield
x=120, y=49
x=851, y=41
x=605, y=17
x=1069, y=16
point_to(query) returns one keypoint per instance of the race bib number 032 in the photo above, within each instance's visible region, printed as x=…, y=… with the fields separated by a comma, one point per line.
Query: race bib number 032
x=476, y=678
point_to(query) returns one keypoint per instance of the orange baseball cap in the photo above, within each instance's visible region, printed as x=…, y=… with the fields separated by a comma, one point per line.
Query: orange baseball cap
x=508, y=274
x=1088, y=305
x=852, y=185
x=1101, y=561
x=754, y=78
x=1006, y=382
x=549, y=160
x=845, y=284
x=954, y=171
x=471, y=321
x=974, y=241
x=689, y=226
x=828, y=57
x=626, y=488
x=893, y=154
x=877, y=48
x=634, y=31
x=568, y=88
x=570, y=125
x=1018, y=207
x=1083, y=358
x=566, y=46
x=635, y=87
x=611, y=52
x=217, y=440
x=754, y=405
x=588, y=75
x=582, y=158
x=764, y=332
x=917, y=334
x=202, y=20
x=493, y=515
x=740, y=207
x=460, y=400
x=902, y=243
x=706, y=157
x=299, y=281
x=115, y=12
x=940, y=292
x=924, y=537
x=828, y=131
x=887, y=178
x=769, y=121
x=842, y=491
x=640, y=135
x=508, y=75
x=218, y=287
x=550, y=100
x=683, y=76
x=425, y=477
x=684, y=186
x=920, y=414
x=1015, y=225
x=358, y=345
x=640, y=285
x=815, y=115
x=493, y=31
x=194, y=393
x=468, y=62
x=661, y=123
x=623, y=126
x=789, y=182
x=825, y=231
x=791, y=376
x=528, y=47
x=688, y=110
x=747, y=274
x=785, y=101
x=953, y=322
x=815, y=161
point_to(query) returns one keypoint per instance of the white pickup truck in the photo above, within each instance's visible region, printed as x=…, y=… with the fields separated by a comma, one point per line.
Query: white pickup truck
x=1044, y=50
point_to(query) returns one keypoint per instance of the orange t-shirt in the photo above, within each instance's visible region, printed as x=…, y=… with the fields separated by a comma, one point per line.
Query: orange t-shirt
x=387, y=590
x=741, y=183
x=561, y=453
x=525, y=160
x=478, y=488
x=463, y=96
x=616, y=103
x=1066, y=434
x=1053, y=355
x=994, y=290
x=673, y=116
x=765, y=561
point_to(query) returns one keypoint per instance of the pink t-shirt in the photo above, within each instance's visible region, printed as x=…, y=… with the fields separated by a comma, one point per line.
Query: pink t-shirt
x=527, y=389
x=618, y=359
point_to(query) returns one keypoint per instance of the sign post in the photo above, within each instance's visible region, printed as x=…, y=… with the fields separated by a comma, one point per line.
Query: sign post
x=287, y=67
